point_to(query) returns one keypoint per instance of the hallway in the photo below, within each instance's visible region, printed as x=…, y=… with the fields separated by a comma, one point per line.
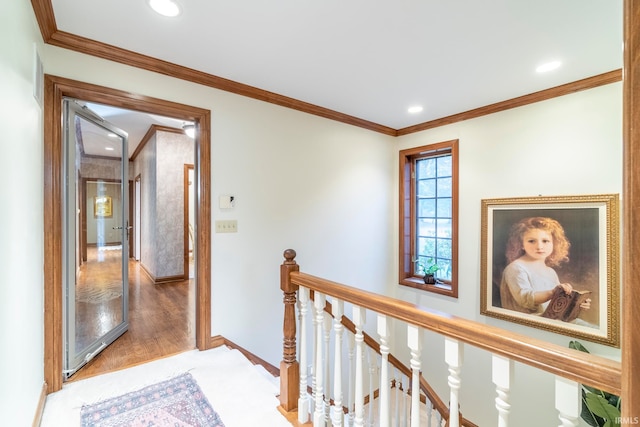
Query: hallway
x=161, y=323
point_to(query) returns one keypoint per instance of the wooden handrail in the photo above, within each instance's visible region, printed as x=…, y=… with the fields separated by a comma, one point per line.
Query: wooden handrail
x=595, y=371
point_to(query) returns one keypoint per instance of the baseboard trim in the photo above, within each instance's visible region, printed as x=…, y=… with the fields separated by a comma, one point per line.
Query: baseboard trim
x=168, y=279
x=162, y=279
x=147, y=272
x=253, y=358
x=214, y=342
x=37, y=418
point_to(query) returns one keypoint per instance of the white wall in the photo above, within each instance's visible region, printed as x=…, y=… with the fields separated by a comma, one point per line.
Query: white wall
x=323, y=188
x=21, y=202
x=570, y=145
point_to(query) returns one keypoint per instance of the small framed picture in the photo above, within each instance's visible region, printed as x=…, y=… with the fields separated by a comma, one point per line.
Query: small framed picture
x=553, y=263
x=102, y=207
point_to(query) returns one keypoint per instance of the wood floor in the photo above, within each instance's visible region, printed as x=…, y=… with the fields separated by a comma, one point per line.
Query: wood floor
x=161, y=321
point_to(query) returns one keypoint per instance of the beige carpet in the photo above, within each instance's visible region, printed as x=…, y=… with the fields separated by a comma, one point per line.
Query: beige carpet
x=236, y=389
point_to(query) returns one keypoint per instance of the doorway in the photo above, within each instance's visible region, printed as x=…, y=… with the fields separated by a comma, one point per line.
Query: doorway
x=57, y=88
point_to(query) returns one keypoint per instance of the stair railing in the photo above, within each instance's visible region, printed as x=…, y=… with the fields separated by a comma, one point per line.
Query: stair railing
x=427, y=395
x=571, y=368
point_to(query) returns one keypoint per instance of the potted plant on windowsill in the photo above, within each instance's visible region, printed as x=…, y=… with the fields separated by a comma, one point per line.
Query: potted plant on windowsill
x=429, y=270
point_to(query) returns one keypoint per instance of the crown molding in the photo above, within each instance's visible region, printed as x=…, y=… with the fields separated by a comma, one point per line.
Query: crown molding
x=43, y=10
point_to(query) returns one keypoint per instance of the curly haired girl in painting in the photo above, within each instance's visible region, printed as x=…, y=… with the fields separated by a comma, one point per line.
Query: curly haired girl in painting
x=535, y=246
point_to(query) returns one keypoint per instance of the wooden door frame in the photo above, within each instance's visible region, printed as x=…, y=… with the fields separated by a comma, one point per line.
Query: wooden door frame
x=56, y=88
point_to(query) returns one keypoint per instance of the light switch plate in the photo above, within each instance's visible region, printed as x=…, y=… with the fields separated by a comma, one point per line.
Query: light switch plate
x=227, y=226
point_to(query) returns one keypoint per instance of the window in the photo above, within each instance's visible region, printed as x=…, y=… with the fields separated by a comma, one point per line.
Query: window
x=429, y=216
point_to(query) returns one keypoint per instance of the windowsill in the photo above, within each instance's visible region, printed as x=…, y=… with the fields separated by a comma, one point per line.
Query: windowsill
x=440, y=287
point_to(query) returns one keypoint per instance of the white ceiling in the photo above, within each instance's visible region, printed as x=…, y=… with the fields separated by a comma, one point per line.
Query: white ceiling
x=370, y=59
x=134, y=123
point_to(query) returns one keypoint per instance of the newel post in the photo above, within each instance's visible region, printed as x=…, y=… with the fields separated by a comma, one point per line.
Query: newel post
x=289, y=366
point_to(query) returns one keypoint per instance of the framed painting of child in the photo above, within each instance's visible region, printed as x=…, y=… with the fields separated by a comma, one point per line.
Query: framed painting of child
x=553, y=263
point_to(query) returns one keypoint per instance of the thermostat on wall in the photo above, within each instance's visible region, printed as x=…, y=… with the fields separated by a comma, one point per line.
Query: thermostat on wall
x=226, y=202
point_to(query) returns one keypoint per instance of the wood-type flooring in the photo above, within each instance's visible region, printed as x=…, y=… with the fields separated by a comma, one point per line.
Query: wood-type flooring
x=161, y=318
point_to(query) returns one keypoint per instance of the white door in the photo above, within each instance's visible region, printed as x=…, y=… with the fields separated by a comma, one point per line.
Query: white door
x=95, y=238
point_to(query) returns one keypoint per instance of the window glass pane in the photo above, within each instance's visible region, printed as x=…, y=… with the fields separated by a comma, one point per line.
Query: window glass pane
x=444, y=208
x=443, y=228
x=444, y=187
x=444, y=248
x=427, y=208
x=426, y=246
x=444, y=166
x=426, y=168
x=426, y=227
x=426, y=188
x=445, y=269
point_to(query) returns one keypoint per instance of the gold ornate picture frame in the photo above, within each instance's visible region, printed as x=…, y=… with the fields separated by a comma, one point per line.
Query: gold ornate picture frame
x=102, y=207
x=512, y=283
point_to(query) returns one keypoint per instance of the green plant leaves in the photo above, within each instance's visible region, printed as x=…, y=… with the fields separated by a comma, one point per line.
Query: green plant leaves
x=577, y=346
x=589, y=416
x=601, y=407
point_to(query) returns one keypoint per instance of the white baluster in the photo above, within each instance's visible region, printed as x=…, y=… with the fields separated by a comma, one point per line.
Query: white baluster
x=383, y=332
x=318, y=414
x=396, y=398
x=337, y=414
x=314, y=362
x=358, y=320
x=502, y=372
x=453, y=357
x=373, y=368
x=429, y=413
x=406, y=402
x=352, y=382
x=568, y=401
x=327, y=367
x=414, y=341
x=303, y=400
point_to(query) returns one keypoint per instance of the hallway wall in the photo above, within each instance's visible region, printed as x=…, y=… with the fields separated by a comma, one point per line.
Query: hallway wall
x=299, y=181
x=160, y=164
x=21, y=216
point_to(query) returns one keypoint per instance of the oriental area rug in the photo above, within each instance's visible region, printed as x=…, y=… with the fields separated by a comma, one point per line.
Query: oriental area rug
x=177, y=402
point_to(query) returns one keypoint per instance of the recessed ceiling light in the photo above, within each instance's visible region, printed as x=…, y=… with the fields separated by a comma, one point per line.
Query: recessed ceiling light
x=165, y=7
x=189, y=129
x=548, y=66
x=415, y=109
x=109, y=148
x=112, y=135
